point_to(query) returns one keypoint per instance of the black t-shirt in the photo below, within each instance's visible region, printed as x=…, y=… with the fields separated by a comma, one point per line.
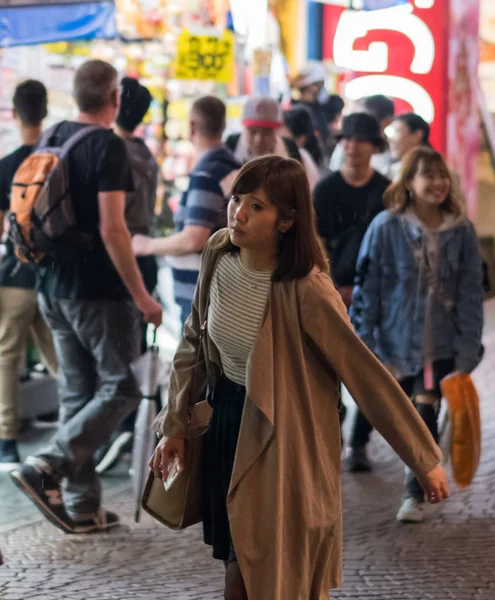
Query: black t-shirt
x=99, y=163
x=13, y=273
x=341, y=208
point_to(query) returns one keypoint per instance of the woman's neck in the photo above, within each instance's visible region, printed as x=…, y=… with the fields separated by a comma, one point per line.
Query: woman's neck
x=430, y=215
x=259, y=260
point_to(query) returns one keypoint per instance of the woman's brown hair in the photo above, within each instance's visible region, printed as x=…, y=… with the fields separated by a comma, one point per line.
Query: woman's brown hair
x=286, y=185
x=398, y=196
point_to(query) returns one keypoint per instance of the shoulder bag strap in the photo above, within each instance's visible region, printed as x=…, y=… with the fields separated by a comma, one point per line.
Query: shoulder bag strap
x=292, y=149
x=47, y=135
x=421, y=260
x=199, y=352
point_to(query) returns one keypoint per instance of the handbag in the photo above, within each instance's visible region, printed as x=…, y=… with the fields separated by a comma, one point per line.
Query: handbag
x=464, y=441
x=180, y=506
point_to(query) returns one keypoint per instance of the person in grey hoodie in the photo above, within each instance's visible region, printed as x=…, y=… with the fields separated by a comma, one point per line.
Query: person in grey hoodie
x=417, y=303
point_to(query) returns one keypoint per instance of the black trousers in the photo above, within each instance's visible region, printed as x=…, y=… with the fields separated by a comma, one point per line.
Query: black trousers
x=217, y=458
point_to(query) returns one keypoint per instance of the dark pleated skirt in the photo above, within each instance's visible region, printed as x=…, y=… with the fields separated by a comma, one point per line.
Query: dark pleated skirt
x=218, y=454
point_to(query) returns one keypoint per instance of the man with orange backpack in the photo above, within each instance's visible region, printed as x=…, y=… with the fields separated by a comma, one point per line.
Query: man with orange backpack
x=19, y=313
x=68, y=216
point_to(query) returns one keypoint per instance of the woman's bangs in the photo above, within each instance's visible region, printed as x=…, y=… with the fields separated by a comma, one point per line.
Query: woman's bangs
x=247, y=182
x=276, y=179
x=433, y=167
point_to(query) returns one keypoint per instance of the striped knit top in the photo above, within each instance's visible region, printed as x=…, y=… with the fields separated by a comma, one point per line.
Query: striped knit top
x=238, y=298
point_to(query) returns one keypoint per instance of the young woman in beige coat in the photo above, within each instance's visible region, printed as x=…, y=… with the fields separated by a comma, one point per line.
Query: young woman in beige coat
x=274, y=341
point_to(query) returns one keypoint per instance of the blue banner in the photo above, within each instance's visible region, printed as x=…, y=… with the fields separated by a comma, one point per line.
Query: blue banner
x=315, y=30
x=24, y=25
x=378, y=4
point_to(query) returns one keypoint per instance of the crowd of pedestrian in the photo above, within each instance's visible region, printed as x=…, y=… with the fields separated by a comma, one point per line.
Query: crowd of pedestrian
x=265, y=320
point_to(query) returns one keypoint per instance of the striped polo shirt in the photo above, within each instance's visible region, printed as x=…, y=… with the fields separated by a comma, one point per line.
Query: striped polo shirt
x=203, y=204
x=238, y=299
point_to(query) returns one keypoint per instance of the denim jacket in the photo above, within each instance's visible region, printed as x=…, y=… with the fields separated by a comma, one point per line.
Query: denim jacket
x=390, y=299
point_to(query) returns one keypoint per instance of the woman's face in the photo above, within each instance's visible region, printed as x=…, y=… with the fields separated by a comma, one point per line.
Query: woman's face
x=253, y=221
x=431, y=184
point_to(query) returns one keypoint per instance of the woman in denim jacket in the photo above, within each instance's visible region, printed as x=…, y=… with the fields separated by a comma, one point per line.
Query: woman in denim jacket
x=418, y=298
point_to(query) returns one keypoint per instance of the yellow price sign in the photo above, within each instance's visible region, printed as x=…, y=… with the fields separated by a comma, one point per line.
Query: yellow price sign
x=205, y=57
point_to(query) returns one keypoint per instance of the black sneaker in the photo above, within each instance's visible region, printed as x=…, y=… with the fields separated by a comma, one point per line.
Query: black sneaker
x=120, y=445
x=358, y=461
x=102, y=521
x=44, y=490
x=9, y=455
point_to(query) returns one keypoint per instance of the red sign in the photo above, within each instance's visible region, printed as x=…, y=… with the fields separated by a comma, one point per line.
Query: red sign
x=401, y=52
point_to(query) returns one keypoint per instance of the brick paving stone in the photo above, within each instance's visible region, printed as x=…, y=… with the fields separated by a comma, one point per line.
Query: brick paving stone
x=450, y=556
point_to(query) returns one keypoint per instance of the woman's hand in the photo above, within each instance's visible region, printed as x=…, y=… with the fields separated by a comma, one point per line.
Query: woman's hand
x=167, y=448
x=435, y=485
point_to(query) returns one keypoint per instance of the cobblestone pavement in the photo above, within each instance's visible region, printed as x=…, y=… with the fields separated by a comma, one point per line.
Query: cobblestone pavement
x=450, y=556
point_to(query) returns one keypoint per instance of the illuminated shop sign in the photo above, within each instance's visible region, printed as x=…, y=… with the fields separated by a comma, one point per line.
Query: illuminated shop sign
x=399, y=51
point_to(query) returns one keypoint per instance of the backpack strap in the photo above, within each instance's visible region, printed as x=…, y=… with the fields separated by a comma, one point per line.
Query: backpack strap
x=76, y=138
x=423, y=264
x=292, y=149
x=46, y=136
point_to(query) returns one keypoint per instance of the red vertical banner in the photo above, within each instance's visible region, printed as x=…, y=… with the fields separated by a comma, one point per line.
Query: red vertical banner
x=463, y=131
x=401, y=52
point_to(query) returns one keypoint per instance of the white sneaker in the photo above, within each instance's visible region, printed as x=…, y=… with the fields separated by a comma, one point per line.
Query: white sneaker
x=410, y=511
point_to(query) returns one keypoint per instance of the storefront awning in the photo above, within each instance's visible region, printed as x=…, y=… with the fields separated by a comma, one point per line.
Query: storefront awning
x=24, y=22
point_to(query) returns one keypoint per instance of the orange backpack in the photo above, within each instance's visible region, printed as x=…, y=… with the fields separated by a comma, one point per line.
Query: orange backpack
x=42, y=220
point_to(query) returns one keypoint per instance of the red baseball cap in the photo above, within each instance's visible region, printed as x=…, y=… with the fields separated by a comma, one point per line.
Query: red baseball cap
x=262, y=111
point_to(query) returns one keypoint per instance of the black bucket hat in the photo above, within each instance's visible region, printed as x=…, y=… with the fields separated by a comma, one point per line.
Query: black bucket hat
x=362, y=126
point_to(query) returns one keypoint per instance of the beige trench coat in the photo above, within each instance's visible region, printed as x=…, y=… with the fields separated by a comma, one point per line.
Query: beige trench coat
x=284, y=502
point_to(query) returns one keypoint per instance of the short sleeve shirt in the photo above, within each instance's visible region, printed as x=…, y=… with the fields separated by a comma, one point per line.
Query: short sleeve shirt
x=99, y=163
